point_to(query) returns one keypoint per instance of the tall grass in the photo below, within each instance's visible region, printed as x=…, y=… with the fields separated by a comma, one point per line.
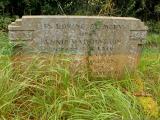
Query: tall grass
x=44, y=92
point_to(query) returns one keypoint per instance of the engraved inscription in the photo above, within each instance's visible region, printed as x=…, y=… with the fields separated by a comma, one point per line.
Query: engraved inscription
x=81, y=26
x=79, y=38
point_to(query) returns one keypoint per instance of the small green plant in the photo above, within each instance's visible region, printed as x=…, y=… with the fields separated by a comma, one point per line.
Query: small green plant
x=4, y=22
x=154, y=27
x=5, y=45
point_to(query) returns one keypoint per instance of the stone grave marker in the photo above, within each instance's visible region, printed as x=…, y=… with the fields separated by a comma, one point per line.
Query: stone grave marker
x=106, y=45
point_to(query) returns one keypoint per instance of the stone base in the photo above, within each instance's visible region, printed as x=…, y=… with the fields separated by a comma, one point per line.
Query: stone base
x=113, y=66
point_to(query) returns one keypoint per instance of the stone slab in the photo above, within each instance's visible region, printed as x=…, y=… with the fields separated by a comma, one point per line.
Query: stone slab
x=109, y=45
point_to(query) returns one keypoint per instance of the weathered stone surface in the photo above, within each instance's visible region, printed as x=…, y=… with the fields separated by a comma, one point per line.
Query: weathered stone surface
x=107, y=45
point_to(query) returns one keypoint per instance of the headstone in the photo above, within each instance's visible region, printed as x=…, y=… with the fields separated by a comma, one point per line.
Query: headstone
x=106, y=45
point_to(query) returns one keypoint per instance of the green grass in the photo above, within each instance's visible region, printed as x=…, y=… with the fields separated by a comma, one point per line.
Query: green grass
x=56, y=94
x=153, y=39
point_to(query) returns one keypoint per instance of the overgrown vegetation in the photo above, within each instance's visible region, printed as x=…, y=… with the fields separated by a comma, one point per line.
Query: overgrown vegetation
x=55, y=94
x=4, y=22
x=144, y=9
x=50, y=92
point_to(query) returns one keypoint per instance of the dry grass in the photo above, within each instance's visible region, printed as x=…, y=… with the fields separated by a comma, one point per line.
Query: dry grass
x=48, y=91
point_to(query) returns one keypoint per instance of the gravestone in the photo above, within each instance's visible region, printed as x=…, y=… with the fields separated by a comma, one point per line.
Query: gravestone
x=106, y=45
